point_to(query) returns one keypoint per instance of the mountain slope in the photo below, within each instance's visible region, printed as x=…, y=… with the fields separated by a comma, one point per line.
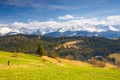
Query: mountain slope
x=107, y=34
x=108, y=31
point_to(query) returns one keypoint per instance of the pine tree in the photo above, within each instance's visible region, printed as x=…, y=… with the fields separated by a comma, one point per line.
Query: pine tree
x=40, y=50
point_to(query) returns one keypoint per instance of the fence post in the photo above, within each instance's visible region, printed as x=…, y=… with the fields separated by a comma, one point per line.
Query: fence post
x=8, y=62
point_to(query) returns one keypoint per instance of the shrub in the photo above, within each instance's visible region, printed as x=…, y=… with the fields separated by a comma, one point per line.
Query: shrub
x=96, y=63
x=100, y=64
x=15, y=55
x=69, y=57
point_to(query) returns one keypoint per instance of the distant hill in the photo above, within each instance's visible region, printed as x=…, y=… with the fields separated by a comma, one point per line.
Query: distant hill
x=89, y=47
x=19, y=44
x=107, y=34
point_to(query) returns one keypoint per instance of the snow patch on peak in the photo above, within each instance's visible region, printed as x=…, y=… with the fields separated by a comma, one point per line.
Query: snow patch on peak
x=113, y=28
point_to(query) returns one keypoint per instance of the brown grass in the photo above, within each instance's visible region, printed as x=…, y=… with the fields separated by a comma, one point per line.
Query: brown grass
x=70, y=44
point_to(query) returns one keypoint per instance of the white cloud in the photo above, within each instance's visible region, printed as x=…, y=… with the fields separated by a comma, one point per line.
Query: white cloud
x=66, y=17
x=4, y=25
x=18, y=24
x=92, y=24
x=4, y=30
x=35, y=25
x=115, y=20
x=116, y=17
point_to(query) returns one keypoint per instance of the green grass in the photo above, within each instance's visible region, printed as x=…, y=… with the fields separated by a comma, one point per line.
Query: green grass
x=32, y=67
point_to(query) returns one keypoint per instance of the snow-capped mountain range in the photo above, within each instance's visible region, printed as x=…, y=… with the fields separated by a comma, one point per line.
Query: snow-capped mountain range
x=87, y=30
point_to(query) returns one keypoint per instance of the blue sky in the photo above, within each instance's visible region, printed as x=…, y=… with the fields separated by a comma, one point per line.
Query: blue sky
x=45, y=10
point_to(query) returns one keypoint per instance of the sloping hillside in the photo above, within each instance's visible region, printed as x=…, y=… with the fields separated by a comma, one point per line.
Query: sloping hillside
x=77, y=48
x=32, y=67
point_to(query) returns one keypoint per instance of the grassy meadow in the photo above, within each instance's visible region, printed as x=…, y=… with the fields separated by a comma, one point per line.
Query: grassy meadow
x=33, y=67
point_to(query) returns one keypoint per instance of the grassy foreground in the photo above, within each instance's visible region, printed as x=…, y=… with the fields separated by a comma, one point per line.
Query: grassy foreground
x=32, y=67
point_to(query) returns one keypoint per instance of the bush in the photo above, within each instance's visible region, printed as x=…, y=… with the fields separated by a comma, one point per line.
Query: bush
x=100, y=64
x=69, y=57
x=96, y=63
x=15, y=55
x=92, y=61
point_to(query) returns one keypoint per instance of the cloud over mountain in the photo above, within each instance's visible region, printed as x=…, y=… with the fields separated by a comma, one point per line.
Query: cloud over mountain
x=115, y=20
x=66, y=17
x=81, y=24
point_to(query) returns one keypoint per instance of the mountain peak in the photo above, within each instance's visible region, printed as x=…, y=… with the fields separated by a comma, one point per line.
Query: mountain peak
x=87, y=30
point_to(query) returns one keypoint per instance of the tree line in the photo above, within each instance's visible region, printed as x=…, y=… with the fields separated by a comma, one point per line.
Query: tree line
x=43, y=45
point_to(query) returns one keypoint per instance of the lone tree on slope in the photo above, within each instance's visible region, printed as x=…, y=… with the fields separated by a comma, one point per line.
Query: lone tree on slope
x=40, y=50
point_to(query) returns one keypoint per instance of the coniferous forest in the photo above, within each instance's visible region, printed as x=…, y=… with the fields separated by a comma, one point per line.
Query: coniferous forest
x=86, y=49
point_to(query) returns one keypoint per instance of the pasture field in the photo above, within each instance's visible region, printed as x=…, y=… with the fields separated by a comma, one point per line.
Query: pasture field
x=33, y=67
